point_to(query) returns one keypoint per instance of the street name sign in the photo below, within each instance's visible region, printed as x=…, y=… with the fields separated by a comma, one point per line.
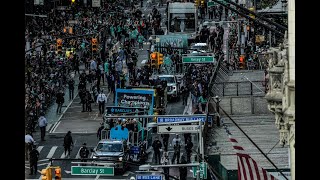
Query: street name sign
x=96, y=3
x=203, y=171
x=179, y=119
x=149, y=177
x=198, y=59
x=178, y=129
x=92, y=170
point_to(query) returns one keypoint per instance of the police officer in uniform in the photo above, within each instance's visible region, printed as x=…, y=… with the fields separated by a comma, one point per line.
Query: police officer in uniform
x=176, y=154
x=34, y=156
x=156, y=147
x=84, y=153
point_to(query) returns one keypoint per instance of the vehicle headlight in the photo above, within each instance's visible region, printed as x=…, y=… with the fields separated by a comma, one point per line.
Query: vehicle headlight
x=120, y=158
x=94, y=157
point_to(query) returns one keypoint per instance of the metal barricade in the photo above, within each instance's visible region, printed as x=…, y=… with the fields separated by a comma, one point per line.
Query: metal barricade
x=105, y=134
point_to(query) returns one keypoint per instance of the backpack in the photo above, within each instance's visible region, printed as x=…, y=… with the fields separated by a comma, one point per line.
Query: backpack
x=83, y=152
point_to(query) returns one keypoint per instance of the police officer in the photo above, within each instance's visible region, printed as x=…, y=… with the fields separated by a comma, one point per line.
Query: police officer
x=101, y=100
x=176, y=154
x=183, y=170
x=188, y=147
x=84, y=153
x=34, y=156
x=165, y=140
x=29, y=141
x=156, y=147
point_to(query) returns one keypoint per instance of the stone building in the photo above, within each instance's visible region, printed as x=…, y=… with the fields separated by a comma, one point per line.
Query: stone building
x=281, y=94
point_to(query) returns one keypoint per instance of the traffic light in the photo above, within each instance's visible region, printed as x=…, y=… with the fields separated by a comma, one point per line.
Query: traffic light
x=57, y=172
x=73, y=1
x=241, y=62
x=202, y=3
x=196, y=2
x=59, y=46
x=46, y=174
x=160, y=58
x=94, y=42
x=154, y=60
x=251, y=15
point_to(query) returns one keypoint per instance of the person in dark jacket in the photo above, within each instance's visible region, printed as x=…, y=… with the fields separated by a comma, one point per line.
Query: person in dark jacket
x=34, y=156
x=67, y=143
x=84, y=153
x=184, y=94
x=183, y=170
x=99, y=131
x=88, y=100
x=156, y=147
x=59, y=100
x=82, y=95
x=71, y=88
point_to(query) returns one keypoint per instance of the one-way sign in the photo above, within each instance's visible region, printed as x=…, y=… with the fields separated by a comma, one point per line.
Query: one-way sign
x=178, y=129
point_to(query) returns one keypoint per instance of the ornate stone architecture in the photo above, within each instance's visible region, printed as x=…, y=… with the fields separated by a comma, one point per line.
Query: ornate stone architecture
x=281, y=94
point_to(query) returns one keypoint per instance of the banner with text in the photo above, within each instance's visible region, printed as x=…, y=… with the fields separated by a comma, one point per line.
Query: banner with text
x=135, y=98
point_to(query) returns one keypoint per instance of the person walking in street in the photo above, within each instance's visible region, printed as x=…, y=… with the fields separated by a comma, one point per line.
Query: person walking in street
x=165, y=161
x=156, y=147
x=67, y=143
x=165, y=140
x=184, y=94
x=84, y=153
x=29, y=141
x=183, y=170
x=189, y=146
x=59, y=100
x=88, y=100
x=42, y=124
x=101, y=100
x=140, y=41
x=176, y=154
x=34, y=157
x=71, y=88
x=203, y=102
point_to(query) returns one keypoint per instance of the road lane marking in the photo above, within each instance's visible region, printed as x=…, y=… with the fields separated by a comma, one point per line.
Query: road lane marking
x=39, y=148
x=63, y=155
x=52, y=151
x=54, y=129
x=78, y=154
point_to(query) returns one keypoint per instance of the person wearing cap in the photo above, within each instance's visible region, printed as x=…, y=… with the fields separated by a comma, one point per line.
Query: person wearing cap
x=29, y=141
x=42, y=124
x=34, y=156
x=84, y=153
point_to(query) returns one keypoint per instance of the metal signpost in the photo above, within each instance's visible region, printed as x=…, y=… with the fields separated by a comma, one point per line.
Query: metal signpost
x=178, y=129
x=198, y=59
x=92, y=170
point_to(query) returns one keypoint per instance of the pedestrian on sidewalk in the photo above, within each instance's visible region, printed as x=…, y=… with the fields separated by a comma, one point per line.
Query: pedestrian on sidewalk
x=29, y=141
x=34, y=157
x=101, y=100
x=67, y=143
x=60, y=100
x=156, y=147
x=203, y=102
x=42, y=124
x=71, y=88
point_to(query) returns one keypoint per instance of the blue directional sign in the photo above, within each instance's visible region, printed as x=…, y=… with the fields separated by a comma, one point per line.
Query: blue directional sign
x=149, y=177
x=182, y=119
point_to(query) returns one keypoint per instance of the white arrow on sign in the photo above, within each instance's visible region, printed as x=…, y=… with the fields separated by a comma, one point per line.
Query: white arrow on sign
x=68, y=172
x=178, y=129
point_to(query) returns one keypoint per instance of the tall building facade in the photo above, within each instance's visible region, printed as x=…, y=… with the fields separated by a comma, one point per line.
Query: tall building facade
x=281, y=94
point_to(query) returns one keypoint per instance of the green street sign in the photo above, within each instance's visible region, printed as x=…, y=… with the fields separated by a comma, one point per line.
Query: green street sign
x=198, y=59
x=92, y=170
x=211, y=4
x=203, y=171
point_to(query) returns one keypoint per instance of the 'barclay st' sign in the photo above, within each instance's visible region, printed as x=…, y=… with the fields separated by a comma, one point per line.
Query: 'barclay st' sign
x=198, y=59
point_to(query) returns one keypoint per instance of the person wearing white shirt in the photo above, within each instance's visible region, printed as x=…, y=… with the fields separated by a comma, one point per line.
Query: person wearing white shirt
x=177, y=138
x=29, y=141
x=42, y=124
x=101, y=100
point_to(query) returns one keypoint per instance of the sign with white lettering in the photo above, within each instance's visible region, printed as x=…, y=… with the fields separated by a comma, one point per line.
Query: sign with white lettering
x=179, y=119
x=135, y=98
x=96, y=3
x=92, y=170
x=149, y=177
x=178, y=129
x=124, y=110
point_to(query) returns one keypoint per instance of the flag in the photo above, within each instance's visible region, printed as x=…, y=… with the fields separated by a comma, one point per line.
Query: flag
x=248, y=168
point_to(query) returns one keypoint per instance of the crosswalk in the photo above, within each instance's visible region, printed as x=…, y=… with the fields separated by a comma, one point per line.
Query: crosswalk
x=47, y=152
